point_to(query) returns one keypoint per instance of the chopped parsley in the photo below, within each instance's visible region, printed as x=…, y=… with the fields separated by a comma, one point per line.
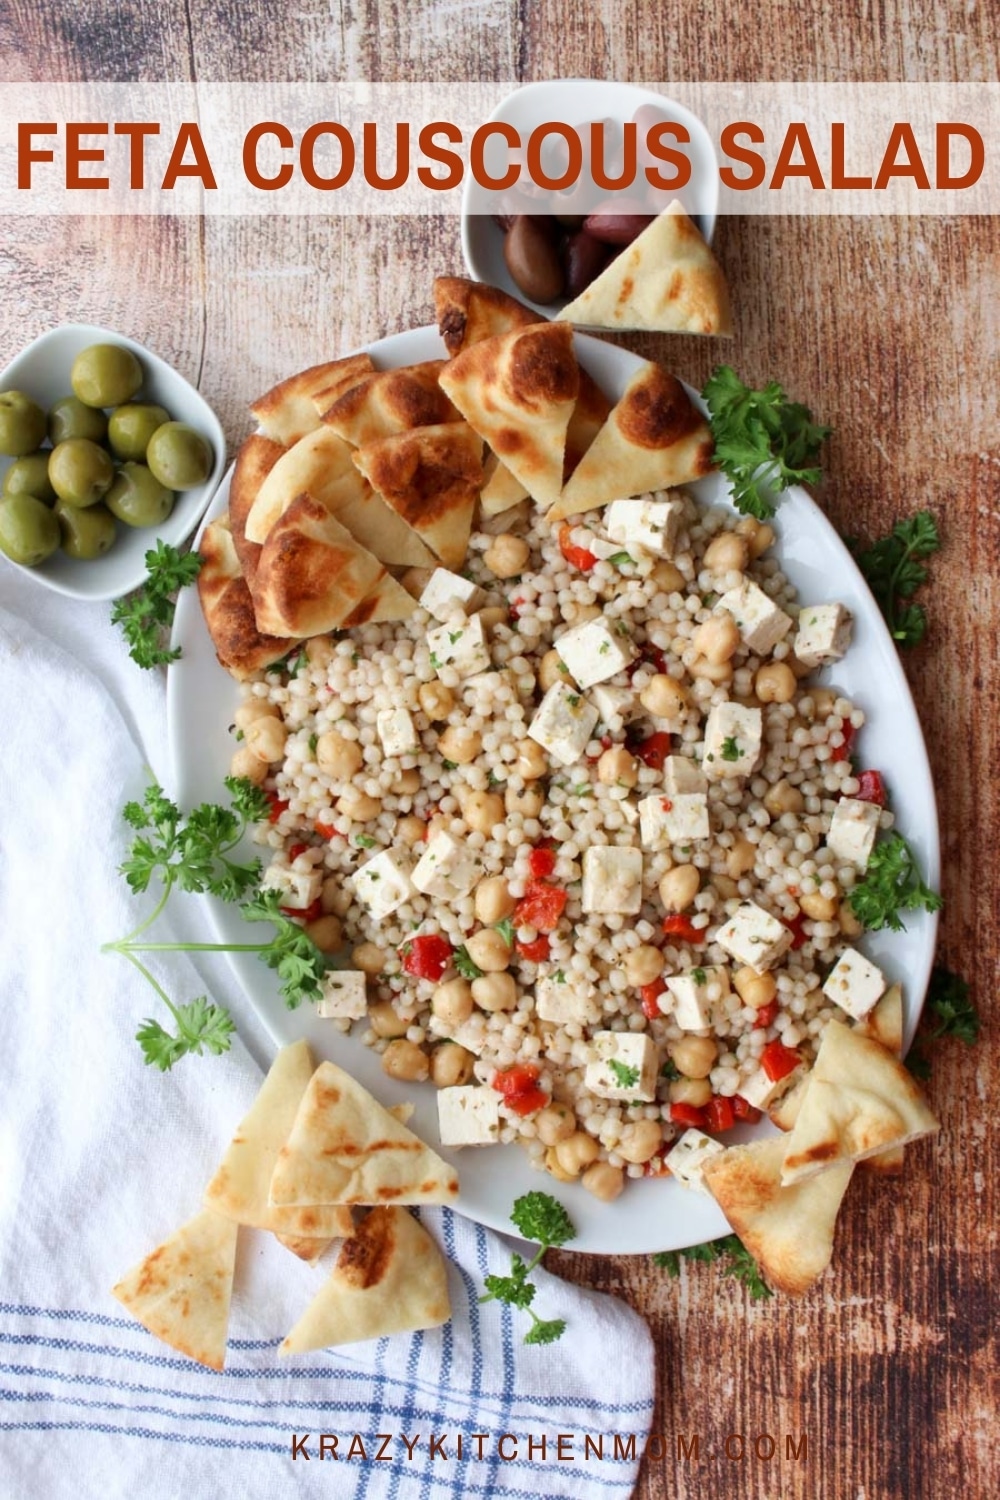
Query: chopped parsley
x=626, y=1075
x=621, y=560
x=466, y=965
x=699, y=976
x=364, y=841
x=506, y=931
x=730, y=748
x=313, y=742
x=736, y=1261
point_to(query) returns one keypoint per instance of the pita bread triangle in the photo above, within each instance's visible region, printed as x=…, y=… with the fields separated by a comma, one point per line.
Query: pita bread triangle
x=431, y=478
x=391, y=401
x=518, y=391
x=181, y=1292
x=388, y=600
x=653, y=439
x=240, y=1185
x=500, y=490
x=860, y=1100
x=312, y=573
x=345, y=1148
x=306, y=1246
x=788, y=1230
x=255, y=460
x=885, y=1024
x=390, y=1278
x=228, y=608
x=469, y=311
x=288, y=411
x=667, y=280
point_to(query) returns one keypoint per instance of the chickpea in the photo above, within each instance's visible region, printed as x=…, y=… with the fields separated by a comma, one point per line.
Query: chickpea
x=554, y=1169
x=849, y=924
x=552, y=669
x=555, y=1123
x=415, y=580
x=494, y=614
x=532, y=761
x=695, y=1055
x=820, y=908
x=266, y=738
x=337, y=756
x=369, y=958
x=506, y=555
x=320, y=651
x=452, y=1001
x=493, y=901
x=727, y=888
x=252, y=709
x=459, y=745
x=616, y=767
x=604, y=1181
x=333, y=898
x=529, y=801
x=436, y=700
x=495, y=992
x=696, y=1091
x=741, y=858
x=719, y=672
x=755, y=990
x=384, y=1021
x=488, y=951
x=639, y=1141
x=643, y=964
x=758, y=536
x=775, y=683
x=326, y=932
x=669, y=578
x=664, y=696
x=404, y=1059
x=717, y=639
x=824, y=700
x=727, y=553
x=358, y=806
x=407, y=783
x=585, y=612
x=451, y=1065
x=576, y=1152
x=783, y=798
x=679, y=886
x=245, y=763
x=410, y=830
x=483, y=811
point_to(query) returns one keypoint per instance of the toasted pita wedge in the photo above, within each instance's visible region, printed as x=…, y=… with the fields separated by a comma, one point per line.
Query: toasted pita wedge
x=312, y=574
x=667, y=279
x=469, y=311
x=227, y=605
x=256, y=458
x=785, y=1110
x=860, y=1101
x=287, y=411
x=306, y=1247
x=345, y=1148
x=885, y=1024
x=390, y=1278
x=388, y=600
x=653, y=439
x=500, y=489
x=518, y=392
x=590, y=413
x=390, y=402
x=788, y=1230
x=431, y=477
x=182, y=1290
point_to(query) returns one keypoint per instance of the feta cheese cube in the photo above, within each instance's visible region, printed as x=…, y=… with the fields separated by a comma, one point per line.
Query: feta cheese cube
x=732, y=741
x=297, y=889
x=383, y=883
x=852, y=830
x=824, y=634
x=753, y=937
x=665, y=821
x=345, y=995
x=612, y=879
x=624, y=1065
x=397, y=732
x=445, y=589
x=593, y=652
x=563, y=723
x=615, y=702
x=682, y=775
x=688, y=1157
x=446, y=868
x=760, y=622
x=760, y=1090
x=468, y=1115
x=648, y=524
x=854, y=983
x=693, y=994
x=562, y=998
x=461, y=645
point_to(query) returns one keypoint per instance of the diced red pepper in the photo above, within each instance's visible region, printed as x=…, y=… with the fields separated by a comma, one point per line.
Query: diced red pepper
x=541, y=862
x=541, y=906
x=277, y=806
x=871, y=788
x=325, y=830
x=796, y=926
x=683, y=929
x=688, y=1115
x=654, y=750
x=426, y=957
x=842, y=752
x=650, y=994
x=295, y=851
x=719, y=1114
x=310, y=913
x=778, y=1061
x=536, y=952
x=577, y=557
x=519, y=1087
x=516, y=606
x=766, y=1016
x=744, y=1111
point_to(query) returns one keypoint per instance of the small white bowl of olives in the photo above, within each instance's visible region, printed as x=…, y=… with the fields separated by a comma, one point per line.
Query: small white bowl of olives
x=104, y=450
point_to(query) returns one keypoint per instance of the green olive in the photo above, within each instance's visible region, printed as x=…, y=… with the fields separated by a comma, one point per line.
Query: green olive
x=80, y=472
x=22, y=424
x=105, y=375
x=131, y=428
x=138, y=498
x=86, y=534
x=30, y=476
x=69, y=418
x=29, y=531
x=179, y=456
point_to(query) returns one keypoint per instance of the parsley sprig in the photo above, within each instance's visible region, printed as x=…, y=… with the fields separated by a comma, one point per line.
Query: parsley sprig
x=892, y=884
x=541, y=1218
x=949, y=1012
x=735, y=1259
x=147, y=615
x=763, y=441
x=894, y=571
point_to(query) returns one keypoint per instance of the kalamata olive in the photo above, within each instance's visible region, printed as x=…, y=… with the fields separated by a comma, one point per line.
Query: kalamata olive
x=532, y=258
x=585, y=259
x=618, y=222
x=503, y=221
x=569, y=221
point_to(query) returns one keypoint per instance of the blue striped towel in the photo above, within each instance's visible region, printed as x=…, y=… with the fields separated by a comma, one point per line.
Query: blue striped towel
x=101, y=1158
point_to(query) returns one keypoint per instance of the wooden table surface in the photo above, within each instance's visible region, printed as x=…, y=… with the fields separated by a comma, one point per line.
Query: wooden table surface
x=888, y=328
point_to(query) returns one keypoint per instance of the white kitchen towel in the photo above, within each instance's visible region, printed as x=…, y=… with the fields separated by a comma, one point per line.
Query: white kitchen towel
x=102, y=1157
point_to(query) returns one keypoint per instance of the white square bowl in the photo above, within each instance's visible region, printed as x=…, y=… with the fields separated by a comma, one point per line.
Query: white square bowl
x=42, y=372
